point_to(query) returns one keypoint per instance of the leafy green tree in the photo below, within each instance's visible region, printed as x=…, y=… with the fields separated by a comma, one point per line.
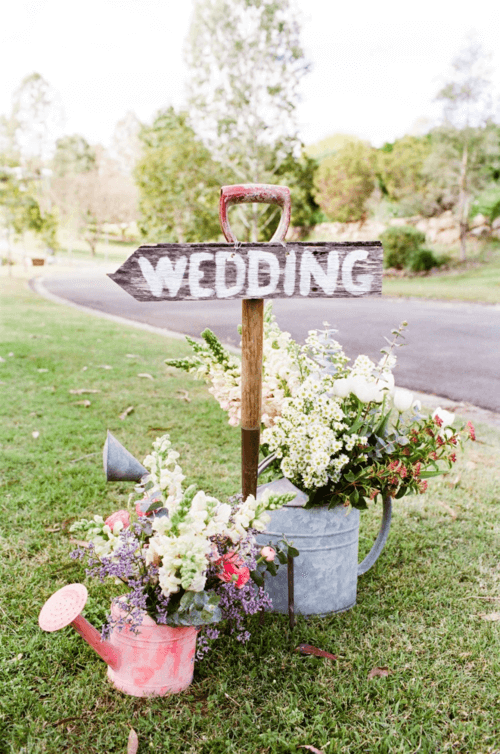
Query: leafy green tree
x=73, y=155
x=246, y=64
x=345, y=181
x=178, y=182
x=467, y=140
x=400, y=171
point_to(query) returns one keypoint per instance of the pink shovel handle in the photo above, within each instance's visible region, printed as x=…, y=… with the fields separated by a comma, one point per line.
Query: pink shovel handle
x=261, y=193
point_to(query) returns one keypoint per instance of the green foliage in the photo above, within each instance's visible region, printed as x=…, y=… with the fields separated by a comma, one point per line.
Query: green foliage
x=422, y=260
x=298, y=174
x=400, y=243
x=178, y=182
x=73, y=155
x=399, y=168
x=345, y=181
x=246, y=62
x=487, y=204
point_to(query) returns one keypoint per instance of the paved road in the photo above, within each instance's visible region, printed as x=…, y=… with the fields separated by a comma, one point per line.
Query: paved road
x=453, y=350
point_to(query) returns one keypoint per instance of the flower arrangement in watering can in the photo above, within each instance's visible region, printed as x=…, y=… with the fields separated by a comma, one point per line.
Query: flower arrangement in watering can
x=187, y=560
x=340, y=437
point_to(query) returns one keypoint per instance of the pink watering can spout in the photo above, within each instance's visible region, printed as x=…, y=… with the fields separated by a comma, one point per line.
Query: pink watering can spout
x=64, y=608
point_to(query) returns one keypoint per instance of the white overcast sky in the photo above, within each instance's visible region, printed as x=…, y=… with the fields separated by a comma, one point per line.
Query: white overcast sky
x=376, y=66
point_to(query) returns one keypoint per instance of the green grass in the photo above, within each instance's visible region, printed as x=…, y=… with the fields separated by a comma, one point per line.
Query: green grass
x=478, y=280
x=419, y=609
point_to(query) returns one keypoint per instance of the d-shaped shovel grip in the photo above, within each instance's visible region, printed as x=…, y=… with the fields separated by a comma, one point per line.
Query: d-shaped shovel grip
x=261, y=193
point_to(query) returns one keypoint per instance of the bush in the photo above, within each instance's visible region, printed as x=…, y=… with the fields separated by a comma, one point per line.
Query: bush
x=423, y=260
x=487, y=204
x=400, y=244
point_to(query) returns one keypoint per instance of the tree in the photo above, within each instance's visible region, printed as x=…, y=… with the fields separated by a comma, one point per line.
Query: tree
x=345, y=181
x=73, y=155
x=465, y=141
x=37, y=118
x=126, y=146
x=178, y=182
x=400, y=171
x=246, y=64
x=96, y=197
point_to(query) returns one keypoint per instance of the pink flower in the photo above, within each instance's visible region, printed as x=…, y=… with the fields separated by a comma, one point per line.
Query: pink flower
x=268, y=554
x=121, y=515
x=471, y=430
x=233, y=569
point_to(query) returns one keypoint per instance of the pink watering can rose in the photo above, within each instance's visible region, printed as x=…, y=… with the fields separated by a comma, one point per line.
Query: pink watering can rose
x=233, y=566
x=121, y=515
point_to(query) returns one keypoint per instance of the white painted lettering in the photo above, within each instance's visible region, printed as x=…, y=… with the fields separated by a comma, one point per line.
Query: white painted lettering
x=289, y=282
x=255, y=257
x=221, y=259
x=166, y=274
x=364, y=282
x=195, y=275
x=310, y=267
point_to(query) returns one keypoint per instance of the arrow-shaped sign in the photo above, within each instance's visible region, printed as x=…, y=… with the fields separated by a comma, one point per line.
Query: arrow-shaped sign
x=215, y=271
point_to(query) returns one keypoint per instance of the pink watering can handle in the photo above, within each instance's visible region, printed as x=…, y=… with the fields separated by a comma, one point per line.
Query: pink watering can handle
x=261, y=193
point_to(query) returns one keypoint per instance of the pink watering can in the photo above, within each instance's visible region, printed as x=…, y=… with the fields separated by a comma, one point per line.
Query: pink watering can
x=157, y=660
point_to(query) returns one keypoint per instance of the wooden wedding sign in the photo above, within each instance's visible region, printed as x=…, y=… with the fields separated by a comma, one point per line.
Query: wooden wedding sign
x=252, y=272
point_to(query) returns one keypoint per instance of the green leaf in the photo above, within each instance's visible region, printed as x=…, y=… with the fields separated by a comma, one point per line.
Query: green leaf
x=272, y=568
x=257, y=577
x=292, y=551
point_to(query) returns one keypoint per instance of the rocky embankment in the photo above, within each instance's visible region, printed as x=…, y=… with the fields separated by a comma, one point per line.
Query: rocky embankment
x=443, y=230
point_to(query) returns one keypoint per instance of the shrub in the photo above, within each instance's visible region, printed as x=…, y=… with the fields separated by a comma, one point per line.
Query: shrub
x=423, y=260
x=400, y=243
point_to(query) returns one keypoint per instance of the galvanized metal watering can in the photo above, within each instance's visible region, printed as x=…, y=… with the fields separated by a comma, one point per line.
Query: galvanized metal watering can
x=325, y=573
x=158, y=660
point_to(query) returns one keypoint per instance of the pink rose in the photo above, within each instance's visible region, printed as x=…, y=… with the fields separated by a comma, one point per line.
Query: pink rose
x=233, y=565
x=122, y=516
x=268, y=554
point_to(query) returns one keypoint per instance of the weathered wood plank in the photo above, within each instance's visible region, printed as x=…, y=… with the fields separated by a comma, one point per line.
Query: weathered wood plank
x=216, y=271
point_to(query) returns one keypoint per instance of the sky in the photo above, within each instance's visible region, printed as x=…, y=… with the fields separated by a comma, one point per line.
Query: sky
x=376, y=67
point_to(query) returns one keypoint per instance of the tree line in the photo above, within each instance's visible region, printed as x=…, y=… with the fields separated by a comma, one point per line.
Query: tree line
x=246, y=63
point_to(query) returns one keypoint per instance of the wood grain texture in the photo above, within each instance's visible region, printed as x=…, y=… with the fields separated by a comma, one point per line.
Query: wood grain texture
x=216, y=271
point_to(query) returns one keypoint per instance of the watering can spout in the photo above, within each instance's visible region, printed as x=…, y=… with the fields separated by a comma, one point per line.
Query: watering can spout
x=64, y=608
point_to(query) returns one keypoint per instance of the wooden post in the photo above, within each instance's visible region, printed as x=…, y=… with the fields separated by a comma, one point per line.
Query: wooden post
x=252, y=312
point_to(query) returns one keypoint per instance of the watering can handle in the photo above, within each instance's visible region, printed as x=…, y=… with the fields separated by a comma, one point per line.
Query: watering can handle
x=379, y=543
x=385, y=526
x=262, y=193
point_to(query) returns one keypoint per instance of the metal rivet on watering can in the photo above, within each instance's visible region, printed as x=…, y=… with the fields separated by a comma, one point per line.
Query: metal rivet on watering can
x=119, y=464
x=64, y=608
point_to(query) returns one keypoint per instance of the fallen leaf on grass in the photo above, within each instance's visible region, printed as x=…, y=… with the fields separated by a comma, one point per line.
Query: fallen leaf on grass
x=454, y=482
x=133, y=742
x=53, y=528
x=42, y=370
x=104, y=366
x=184, y=396
x=311, y=748
x=490, y=616
x=145, y=374
x=126, y=413
x=85, y=403
x=84, y=369
x=379, y=672
x=308, y=649
x=35, y=434
x=79, y=542
x=82, y=390
x=447, y=508
x=2, y=361
x=132, y=356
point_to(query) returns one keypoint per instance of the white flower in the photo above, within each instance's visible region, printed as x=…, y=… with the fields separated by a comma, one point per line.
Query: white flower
x=198, y=583
x=402, y=399
x=342, y=387
x=446, y=416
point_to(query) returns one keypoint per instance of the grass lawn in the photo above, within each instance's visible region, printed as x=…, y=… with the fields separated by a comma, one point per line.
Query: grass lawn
x=479, y=280
x=428, y=610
